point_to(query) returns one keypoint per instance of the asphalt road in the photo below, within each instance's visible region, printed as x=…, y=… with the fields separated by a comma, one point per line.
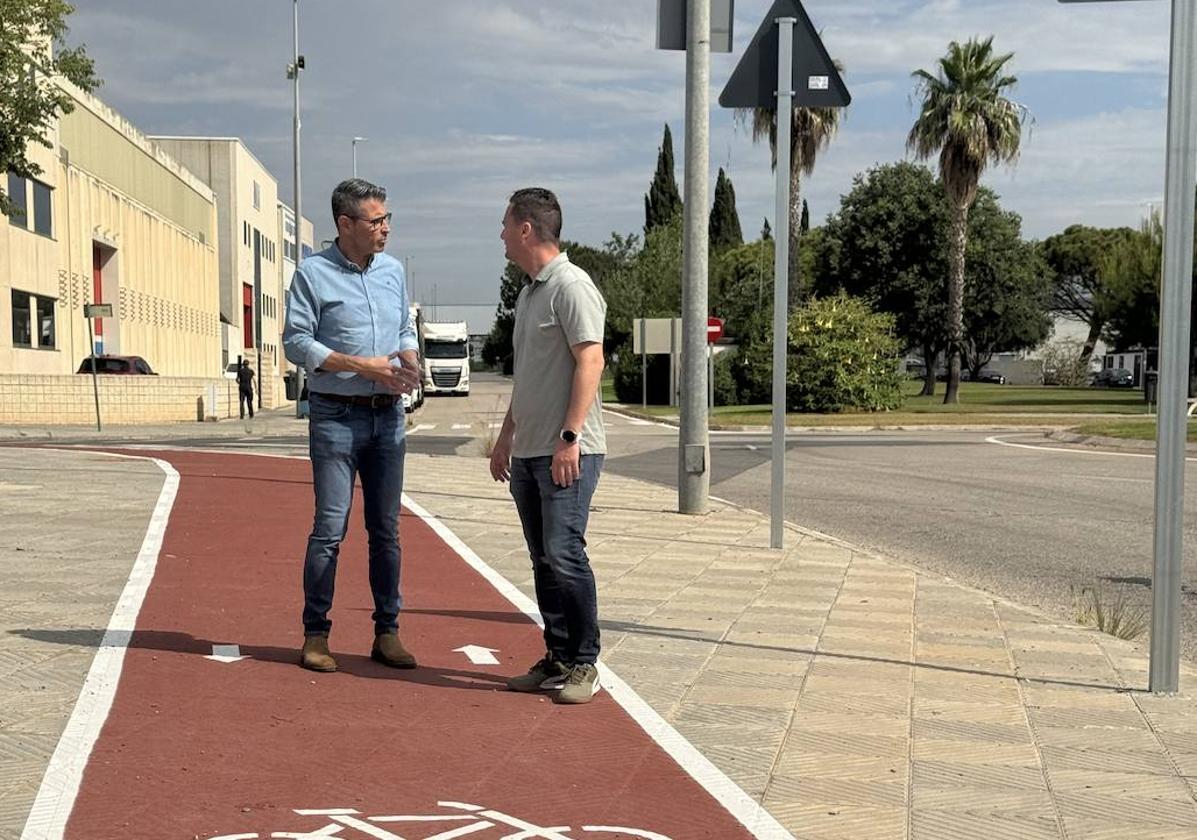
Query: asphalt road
x=1009, y=513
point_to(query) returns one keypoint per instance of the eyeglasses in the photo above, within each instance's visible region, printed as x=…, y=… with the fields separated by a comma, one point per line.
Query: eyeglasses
x=375, y=224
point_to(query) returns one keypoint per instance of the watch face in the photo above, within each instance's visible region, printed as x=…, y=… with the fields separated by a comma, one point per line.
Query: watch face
x=568, y=436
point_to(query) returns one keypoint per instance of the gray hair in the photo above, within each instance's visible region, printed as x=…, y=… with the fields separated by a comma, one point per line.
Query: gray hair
x=539, y=208
x=347, y=198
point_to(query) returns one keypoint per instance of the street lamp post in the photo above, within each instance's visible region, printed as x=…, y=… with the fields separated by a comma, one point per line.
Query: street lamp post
x=1180, y=180
x=357, y=140
x=293, y=74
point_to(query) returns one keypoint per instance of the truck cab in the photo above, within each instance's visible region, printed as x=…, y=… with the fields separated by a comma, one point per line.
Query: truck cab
x=446, y=349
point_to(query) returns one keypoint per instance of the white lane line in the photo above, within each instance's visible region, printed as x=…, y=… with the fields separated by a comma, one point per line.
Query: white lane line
x=423, y=427
x=457, y=427
x=740, y=805
x=1000, y=442
x=60, y=785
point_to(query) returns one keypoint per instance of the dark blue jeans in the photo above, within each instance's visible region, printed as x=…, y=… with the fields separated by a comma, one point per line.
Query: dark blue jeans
x=554, y=520
x=348, y=441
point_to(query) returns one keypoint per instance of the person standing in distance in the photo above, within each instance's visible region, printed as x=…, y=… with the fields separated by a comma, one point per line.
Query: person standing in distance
x=245, y=388
x=552, y=442
x=348, y=323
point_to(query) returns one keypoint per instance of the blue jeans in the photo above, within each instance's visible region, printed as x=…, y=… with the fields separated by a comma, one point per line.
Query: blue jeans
x=554, y=520
x=347, y=441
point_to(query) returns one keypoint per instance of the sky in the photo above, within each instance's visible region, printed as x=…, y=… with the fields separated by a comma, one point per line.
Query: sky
x=464, y=101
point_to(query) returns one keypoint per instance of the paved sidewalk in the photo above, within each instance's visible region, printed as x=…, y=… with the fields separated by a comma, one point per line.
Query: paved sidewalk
x=273, y=422
x=853, y=696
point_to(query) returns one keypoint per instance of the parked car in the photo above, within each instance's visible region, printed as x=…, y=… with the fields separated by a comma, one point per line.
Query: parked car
x=127, y=365
x=992, y=377
x=1114, y=378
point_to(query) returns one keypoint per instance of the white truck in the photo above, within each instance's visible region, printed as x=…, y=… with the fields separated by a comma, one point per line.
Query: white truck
x=415, y=399
x=446, y=349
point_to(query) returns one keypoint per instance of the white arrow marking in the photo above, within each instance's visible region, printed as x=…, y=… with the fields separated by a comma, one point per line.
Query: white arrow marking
x=226, y=653
x=479, y=655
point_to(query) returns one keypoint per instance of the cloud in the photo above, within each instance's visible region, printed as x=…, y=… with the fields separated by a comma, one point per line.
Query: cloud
x=465, y=101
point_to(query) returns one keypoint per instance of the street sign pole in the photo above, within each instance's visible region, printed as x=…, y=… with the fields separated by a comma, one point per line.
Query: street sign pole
x=1180, y=180
x=643, y=365
x=781, y=260
x=693, y=440
x=293, y=72
x=95, y=383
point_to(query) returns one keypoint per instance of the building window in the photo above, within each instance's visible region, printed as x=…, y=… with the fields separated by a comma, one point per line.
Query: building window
x=257, y=196
x=42, y=214
x=22, y=332
x=45, y=322
x=16, y=194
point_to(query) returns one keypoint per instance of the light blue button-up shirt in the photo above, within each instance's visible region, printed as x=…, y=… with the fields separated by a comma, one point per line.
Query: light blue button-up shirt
x=334, y=305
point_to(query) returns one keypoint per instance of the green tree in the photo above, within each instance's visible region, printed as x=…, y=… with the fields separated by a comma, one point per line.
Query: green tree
x=1079, y=290
x=887, y=243
x=766, y=231
x=1009, y=286
x=1131, y=270
x=33, y=55
x=663, y=201
x=724, y=228
x=497, y=349
x=966, y=119
x=742, y=285
x=811, y=131
x=804, y=223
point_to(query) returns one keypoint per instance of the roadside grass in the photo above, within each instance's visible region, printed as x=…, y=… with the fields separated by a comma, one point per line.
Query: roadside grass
x=981, y=404
x=1128, y=429
x=1116, y=614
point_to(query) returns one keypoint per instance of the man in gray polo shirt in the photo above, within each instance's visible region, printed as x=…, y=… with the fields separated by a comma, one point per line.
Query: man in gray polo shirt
x=552, y=443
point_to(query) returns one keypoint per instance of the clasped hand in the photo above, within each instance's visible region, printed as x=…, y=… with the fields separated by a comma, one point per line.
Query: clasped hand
x=403, y=378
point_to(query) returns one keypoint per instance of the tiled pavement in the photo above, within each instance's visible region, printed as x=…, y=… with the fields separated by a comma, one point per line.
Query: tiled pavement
x=853, y=696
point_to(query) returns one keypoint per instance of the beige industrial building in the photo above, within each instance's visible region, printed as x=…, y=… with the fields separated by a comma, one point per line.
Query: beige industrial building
x=251, y=254
x=183, y=237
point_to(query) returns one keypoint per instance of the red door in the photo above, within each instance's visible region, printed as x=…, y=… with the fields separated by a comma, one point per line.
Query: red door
x=97, y=286
x=247, y=315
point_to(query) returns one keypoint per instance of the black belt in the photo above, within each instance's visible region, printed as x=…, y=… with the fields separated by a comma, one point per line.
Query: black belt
x=364, y=400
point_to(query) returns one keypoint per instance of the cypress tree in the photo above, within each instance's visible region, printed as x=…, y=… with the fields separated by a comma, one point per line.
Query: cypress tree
x=724, y=228
x=663, y=200
x=804, y=223
x=766, y=232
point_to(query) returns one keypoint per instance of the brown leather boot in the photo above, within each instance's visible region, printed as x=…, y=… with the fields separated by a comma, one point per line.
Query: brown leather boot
x=315, y=655
x=390, y=651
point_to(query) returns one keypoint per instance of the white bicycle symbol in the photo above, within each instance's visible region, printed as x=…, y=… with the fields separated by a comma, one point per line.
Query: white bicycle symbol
x=476, y=819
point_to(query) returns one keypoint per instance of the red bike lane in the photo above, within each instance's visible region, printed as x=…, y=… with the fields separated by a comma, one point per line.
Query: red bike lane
x=197, y=746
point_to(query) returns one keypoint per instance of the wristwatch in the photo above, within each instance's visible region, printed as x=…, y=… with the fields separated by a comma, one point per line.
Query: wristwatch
x=569, y=436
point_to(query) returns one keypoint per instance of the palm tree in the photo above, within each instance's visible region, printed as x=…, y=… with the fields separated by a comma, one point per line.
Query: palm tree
x=966, y=119
x=811, y=130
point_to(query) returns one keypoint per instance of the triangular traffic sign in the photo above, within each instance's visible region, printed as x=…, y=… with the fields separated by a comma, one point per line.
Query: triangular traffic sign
x=816, y=83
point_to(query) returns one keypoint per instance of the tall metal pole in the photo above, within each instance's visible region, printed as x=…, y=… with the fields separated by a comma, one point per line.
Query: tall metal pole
x=694, y=455
x=357, y=140
x=299, y=372
x=1176, y=294
x=95, y=384
x=781, y=260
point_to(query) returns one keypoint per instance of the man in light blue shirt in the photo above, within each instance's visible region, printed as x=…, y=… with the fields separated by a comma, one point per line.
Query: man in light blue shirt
x=348, y=323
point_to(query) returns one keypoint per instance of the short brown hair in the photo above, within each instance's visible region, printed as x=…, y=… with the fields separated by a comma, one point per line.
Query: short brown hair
x=539, y=208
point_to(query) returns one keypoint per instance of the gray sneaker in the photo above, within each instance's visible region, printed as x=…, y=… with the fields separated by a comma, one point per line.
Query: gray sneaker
x=546, y=675
x=581, y=684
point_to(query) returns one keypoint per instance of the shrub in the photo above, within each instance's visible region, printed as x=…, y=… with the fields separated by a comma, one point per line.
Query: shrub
x=841, y=356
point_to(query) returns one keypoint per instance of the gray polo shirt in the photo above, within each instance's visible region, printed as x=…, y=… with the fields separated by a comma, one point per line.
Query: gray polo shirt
x=560, y=308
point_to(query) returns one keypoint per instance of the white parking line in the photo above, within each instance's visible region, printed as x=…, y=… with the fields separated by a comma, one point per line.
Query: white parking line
x=1000, y=442
x=459, y=426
